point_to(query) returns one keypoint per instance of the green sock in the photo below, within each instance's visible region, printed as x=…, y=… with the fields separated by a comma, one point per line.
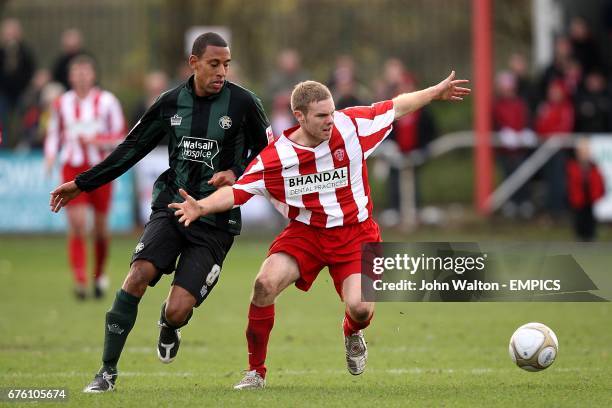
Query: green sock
x=119, y=321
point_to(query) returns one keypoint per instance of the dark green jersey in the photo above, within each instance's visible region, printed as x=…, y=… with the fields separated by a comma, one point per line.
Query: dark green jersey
x=206, y=135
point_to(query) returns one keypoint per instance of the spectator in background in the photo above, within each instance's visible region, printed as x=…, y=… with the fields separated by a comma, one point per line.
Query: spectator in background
x=72, y=45
x=519, y=67
x=48, y=95
x=395, y=76
x=281, y=117
x=594, y=105
x=147, y=170
x=182, y=73
x=344, y=85
x=30, y=110
x=584, y=47
x=555, y=117
x=411, y=132
x=573, y=77
x=86, y=124
x=585, y=186
x=17, y=67
x=155, y=82
x=346, y=93
x=288, y=72
x=562, y=57
x=511, y=121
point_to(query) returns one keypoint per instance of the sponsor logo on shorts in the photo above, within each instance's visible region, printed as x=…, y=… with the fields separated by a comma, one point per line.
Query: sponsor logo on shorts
x=139, y=247
x=225, y=122
x=322, y=182
x=199, y=150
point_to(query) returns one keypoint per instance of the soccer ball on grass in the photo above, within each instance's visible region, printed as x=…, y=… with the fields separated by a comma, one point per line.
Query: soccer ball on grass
x=533, y=347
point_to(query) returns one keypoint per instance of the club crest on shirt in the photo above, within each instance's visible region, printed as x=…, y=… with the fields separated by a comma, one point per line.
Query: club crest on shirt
x=339, y=154
x=225, y=122
x=176, y=120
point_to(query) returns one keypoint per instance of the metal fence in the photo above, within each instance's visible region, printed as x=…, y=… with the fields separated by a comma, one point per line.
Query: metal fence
x=131, y=37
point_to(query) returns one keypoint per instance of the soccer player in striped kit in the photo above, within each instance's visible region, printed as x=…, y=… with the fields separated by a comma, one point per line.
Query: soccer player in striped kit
x=86, y=124
x=315, y=174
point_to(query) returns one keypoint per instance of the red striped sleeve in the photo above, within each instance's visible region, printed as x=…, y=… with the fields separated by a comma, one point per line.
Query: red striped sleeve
x=373, y=123
x=250, y=183
x=241, y=196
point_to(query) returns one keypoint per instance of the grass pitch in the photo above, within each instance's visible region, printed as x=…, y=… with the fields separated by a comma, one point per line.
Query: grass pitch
x=423, y=354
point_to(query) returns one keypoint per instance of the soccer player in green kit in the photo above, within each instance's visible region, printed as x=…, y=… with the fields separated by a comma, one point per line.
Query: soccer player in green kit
x=215, y=128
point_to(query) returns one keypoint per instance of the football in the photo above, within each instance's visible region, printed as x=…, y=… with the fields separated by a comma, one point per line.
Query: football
x=533, y=347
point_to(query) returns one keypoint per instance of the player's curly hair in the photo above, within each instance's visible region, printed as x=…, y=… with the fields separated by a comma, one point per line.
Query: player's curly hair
x=307, y=92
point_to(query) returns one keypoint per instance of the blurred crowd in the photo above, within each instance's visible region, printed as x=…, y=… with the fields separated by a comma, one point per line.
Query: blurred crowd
x=572, y=94
x=28, y=90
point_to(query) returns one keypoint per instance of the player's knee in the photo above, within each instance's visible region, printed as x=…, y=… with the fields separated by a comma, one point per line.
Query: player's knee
x=78, y=229
x=177, y=312
x=264, y=287
x=360, y=311
x=141, y=273
x=100, y=234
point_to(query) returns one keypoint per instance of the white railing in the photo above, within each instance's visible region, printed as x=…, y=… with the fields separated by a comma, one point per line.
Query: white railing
x=406, y=164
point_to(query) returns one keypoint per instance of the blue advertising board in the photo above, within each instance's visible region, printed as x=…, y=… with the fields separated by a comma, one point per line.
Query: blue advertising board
x=24, y=196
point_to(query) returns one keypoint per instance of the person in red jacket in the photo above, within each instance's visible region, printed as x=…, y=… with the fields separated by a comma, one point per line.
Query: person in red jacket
x=410, y=133
x=556, y=114
x=585, y=185
x=511, y=121
x=555, y=117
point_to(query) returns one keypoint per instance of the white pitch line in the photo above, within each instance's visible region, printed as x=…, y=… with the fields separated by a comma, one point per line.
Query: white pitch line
x=203, y=349
x=279, y=373
x=133, y=349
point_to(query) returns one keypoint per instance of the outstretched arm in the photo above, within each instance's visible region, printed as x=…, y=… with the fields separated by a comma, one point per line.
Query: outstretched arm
x=447, y=90
x=191, y=209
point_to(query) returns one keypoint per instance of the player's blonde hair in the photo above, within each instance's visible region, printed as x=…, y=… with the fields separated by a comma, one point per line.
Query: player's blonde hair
x=307, y=92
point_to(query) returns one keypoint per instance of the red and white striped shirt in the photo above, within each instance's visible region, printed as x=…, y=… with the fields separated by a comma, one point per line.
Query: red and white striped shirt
x=323, y=186
x=84, y=131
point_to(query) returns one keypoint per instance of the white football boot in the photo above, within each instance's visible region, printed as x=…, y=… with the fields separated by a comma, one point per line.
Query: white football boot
x=252, y=380
x=356, y=353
